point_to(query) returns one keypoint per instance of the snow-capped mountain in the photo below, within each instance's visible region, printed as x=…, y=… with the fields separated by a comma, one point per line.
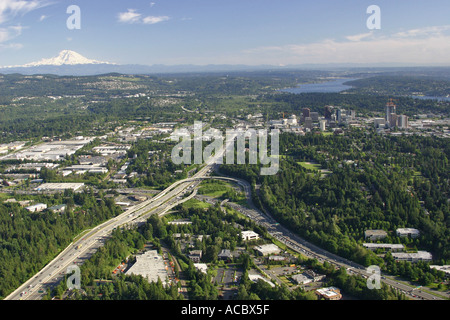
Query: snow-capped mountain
x=71, y=63
x=67, y=62
x=65, y=58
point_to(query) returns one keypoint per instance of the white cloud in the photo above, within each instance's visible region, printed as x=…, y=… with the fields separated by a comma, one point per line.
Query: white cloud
x=131, y=16
x=153, y=20
x=423, y=32
x=11, y=8
x=9, y=33
x=42, y=18
x=427, y=46
x=359, y=37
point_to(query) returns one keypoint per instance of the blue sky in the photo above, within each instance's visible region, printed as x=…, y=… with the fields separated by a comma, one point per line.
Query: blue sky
x=253, y=32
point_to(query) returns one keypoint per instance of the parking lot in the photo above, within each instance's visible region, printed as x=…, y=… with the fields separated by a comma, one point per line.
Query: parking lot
x=228, y=277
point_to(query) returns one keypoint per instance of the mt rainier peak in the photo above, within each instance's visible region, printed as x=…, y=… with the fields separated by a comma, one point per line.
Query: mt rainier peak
x=65, y=57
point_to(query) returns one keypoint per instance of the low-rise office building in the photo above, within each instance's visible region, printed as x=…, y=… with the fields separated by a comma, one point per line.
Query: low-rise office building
x=404, y=232
x=330, y=293
x=249, y=235
x=413, y=257
x=37, y=207
x=445, y=268
x=225, y=255
x=195, y=255
x=386, y=246
x=267, y=249
x=58, y=208
x=301, y=279
x=375, y=234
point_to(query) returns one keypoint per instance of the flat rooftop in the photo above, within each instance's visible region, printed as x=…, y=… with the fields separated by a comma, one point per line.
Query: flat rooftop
x=59, y=186
x=419, y=255
x=407, y=230
x=268, y=248
x=445, y=268
x=151, y=266
x=256, y=277
x=329, y=292
x=384, y=245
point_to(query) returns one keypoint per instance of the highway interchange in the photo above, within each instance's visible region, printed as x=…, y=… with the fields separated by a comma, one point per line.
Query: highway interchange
x=81, y=249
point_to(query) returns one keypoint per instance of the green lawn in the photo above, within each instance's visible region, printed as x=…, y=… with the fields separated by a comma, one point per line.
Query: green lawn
x=310, y=166
x=214, y=189
x=218, y=189
x=196, y=204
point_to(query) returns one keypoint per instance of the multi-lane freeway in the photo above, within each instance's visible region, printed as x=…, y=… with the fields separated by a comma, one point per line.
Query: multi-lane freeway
x=302, y=246
x=83, y=248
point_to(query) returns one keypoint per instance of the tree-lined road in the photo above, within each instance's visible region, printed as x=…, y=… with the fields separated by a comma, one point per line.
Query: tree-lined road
x=310, y=250
x=78, y=251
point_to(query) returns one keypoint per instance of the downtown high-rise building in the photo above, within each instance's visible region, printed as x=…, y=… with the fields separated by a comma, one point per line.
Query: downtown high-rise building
x=328, y=111
x=308, y=123
x=306, y=112
x=391, y=114
x=402, y=122
x=339, y=115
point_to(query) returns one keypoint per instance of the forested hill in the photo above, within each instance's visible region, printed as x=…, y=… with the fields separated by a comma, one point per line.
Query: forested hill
x=402, y=86
x=369, y=182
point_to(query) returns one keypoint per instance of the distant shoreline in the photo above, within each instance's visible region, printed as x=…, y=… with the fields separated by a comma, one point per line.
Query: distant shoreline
x=333, y=86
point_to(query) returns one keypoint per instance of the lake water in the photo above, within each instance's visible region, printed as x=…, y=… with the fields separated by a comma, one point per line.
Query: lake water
x=329, y=86
x=337, y=85
x=432, y=98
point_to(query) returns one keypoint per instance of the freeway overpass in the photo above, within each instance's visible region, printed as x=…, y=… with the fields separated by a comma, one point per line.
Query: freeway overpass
x=83, y=248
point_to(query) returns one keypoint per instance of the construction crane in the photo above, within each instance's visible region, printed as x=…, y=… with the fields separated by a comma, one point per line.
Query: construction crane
x=391, y=102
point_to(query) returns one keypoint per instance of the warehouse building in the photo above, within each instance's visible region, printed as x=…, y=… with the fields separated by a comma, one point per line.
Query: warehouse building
x=151, y=266
x=83, y=168
x=267, y=249
x=59, y=186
